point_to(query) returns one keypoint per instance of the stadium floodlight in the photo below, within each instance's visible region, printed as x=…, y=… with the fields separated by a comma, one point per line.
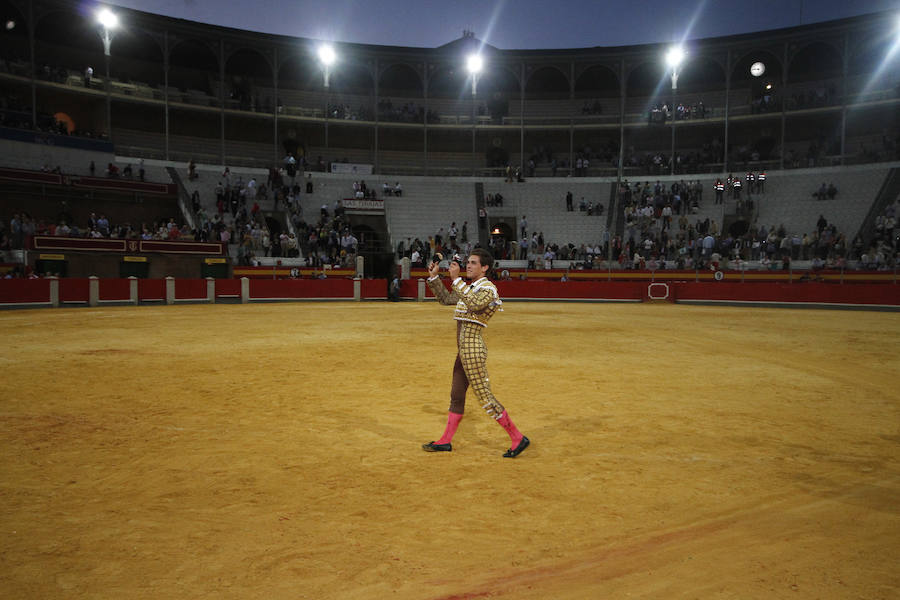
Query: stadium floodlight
x=327, y=55
x=474, y=63
x=109, y=21
x=673, y=58
x=107, y=18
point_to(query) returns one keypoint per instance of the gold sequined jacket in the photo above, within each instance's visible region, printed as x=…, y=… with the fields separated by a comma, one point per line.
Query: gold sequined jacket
x=476, y=302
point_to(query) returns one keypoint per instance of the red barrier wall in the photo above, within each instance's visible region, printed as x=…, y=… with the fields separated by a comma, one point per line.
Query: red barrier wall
x=301, y=288
x=190, y=289
x=22, y=291
x=857, y=293
x=115, y=289
x=152, y=289
x=373, y=288
x=574, y=290
x=543, y=289
x=228, y=287
x=74, y=290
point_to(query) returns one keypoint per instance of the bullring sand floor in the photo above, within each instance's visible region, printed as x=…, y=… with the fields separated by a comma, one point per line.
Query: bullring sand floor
x=273, y=451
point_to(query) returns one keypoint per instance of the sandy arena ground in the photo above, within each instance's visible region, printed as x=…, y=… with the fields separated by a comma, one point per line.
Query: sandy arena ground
x=272, y=451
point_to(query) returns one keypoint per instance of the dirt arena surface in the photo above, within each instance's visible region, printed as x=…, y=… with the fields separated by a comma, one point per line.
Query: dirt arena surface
x=273, y=451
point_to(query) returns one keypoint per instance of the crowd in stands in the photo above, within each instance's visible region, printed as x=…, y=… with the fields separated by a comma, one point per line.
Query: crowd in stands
x=16, y=114
x=361, y=191
x=409, y=112
x=814, y=98
x=592, y=108
x=248, y=229
x=659, y=163
x=666, y=111
x=825, y=191
x=589, y=207
x=587, y=160
x=659, y=234
x=344, y=111
x=657, y=228
x=884, y=250
x=450, y=243
x=22, y=225
x=326, y=241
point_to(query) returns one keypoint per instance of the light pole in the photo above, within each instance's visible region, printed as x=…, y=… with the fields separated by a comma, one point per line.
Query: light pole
x=474, y=65
x=109, y=21
x=327, y=58
x=673, y=58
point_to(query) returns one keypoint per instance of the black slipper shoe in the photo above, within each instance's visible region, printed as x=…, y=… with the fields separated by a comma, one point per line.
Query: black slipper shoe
x=514, y=453
x=432, y=447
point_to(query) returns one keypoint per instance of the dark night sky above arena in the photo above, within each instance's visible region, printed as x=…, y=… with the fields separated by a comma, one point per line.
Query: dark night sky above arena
x=510, y=24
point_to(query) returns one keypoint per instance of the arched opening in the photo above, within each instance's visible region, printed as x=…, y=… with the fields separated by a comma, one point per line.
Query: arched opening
x=647, y=79
x=68, y=42
x=193, y=65
x=598, y=81
x=648, y=86
x=815, y=62
x=248, y=81
x=136, y=57
x=398, y=88
x=701, y=74
x=764, y=91
x=400, y=80
x=813, y=77
x=741, y=75
x=548, y=83
x=597, y=88
x=352, y=78
x=449, y=81
x=496, y=87
x=351, y=92
x=14, y=39
x=300, y=71
x=874, y=64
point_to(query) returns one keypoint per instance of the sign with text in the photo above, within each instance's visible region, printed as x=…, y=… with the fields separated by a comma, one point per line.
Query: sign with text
x=369, y=205
x=351, y=168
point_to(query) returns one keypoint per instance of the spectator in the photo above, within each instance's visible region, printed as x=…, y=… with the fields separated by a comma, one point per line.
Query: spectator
x=821, y=193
